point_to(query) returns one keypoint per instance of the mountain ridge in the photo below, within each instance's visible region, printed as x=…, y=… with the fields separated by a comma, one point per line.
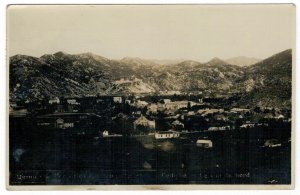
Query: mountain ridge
x=62, y=74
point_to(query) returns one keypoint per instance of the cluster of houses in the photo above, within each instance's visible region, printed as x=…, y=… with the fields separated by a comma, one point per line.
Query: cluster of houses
x=139, y=115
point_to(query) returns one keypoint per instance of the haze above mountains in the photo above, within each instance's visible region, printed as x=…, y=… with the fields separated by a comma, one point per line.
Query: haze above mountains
x=263, y=82
x=238, y=61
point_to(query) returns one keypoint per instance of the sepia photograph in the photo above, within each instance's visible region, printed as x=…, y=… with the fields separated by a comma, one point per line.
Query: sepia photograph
x=150, y=95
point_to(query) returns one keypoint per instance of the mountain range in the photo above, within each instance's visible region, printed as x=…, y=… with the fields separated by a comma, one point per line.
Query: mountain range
x=266, y=82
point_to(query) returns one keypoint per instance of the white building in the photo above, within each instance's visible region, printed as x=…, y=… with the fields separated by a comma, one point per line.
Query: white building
x=210, y=111
x=60, y=124
x=54, y=101
x=117, y=100
x=239, y=110
x=105, y=133
x=248, y=125
x=204, y=143
x=173, y=106
x=221, y=128
x=166, y=101
x=72, y=102
x=166, y=134
x=280, y=116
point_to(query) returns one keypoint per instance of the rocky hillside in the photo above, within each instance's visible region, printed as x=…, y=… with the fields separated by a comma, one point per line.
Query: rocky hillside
x=56, y=75
x=62, y=74
x=269, y=82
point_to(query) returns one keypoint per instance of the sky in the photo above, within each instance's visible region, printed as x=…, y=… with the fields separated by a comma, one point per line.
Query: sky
x=195, y=32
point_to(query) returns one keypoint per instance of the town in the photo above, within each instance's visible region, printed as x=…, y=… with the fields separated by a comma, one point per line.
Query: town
x=148, y=115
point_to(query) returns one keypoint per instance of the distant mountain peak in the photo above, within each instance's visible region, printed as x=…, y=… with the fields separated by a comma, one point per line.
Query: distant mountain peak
x=137, y=61
x=89, y=54
x=217, y=61
x=275, y=60
x=60, y=54
x=242, y=61
x=92, y=55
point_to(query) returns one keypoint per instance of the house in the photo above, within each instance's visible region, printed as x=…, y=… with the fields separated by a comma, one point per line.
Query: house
x=247, y=125
x=137, y=113
x=99, y=101
x=166, y=134
x=210, y=111
x=160, y=107
x=61, y=124
x=86, y=123
x=176, y=105
x=140, y=104
x=105, y=133
x=152, y=108
x=71, y=105
x=191, y=113
x=18, y=110
x=193, y=103
x=13, y=104
x=170, y=112
x=269, y=116
x=54, y=101
x=279, y=116
x=173, y=117
x=72, y=102
x=73, y=108
x=272, y=143
x=204, y=143
x=239, y=110
x=164, y=101
x=172, y=106
x=222, y=128
x=117, y=100
x=127, y=101
x=220, y=117
x=177, y=125
x=143, y=123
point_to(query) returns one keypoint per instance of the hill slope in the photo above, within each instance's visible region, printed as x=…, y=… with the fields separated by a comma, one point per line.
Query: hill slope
x=269, y=82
